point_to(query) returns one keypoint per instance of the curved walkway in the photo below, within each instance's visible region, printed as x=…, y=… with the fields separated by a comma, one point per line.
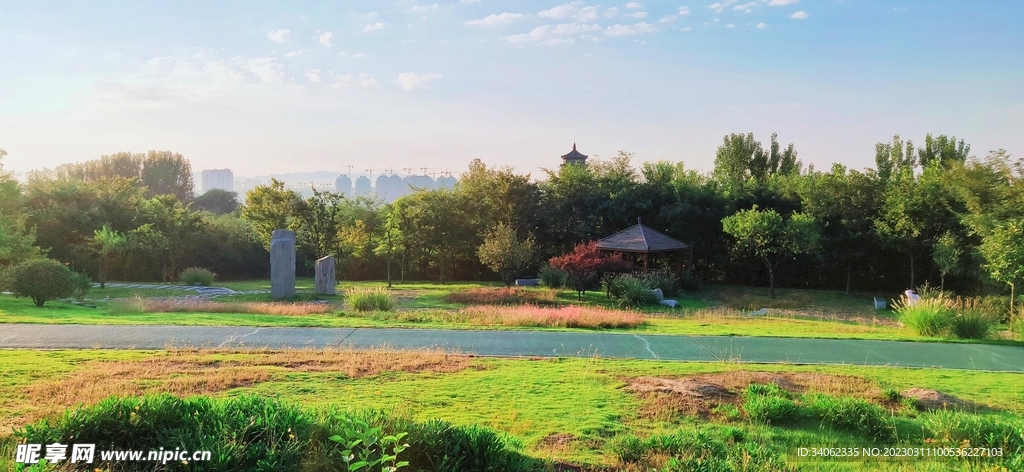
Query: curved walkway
x=528, y=343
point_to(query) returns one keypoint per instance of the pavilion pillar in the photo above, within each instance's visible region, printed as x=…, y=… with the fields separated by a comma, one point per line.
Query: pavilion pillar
x=646, y=261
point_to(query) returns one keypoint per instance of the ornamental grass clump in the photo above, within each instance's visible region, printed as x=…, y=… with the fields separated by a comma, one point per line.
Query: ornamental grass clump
x=927, y=316
x=370, y=299
x=197, y=276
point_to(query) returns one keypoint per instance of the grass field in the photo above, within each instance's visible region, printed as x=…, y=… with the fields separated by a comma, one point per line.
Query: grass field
x=567, y=410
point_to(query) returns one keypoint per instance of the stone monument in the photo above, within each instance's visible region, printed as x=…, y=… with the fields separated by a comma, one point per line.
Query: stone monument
x=325, y=278
x=282, y=264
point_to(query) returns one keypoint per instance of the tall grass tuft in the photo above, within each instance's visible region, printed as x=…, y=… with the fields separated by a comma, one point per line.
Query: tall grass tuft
x=927, y=316
x=949, y=427
x=769, y=403
x=851, y=414
x=370, y=299
x=197, y=276
x=551, y=277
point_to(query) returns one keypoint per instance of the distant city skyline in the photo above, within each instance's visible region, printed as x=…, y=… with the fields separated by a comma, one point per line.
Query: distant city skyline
x=263, y=88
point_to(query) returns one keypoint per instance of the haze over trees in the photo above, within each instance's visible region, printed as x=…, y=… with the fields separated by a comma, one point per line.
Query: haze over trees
x=933, y=213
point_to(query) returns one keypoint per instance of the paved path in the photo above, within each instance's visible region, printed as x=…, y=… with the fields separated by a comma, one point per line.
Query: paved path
x=528, y=343
x=197, y=289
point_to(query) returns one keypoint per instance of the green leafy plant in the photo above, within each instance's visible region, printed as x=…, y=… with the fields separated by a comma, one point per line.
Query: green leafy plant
x=366, y=447
x=197, y=276
x=42, y=280
x=370, y=299
x=769, y=403
x=971, y=324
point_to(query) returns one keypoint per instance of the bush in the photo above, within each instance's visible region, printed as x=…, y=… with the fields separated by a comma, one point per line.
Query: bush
x=197, y=276
x=635, y=291
x=82, y=284
x=851, y=414
x=628, y=449
x=370, y=299
x=663, y=280
x=551, y=277
x=927, y=317
x=971, y=324
x=42, y=280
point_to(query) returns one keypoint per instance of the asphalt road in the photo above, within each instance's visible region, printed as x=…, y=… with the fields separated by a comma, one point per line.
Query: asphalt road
x=528, y=343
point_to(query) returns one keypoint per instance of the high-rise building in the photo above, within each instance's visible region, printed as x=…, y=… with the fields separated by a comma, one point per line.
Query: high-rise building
x=362, y=186
x=218, y=178
x=343, y=185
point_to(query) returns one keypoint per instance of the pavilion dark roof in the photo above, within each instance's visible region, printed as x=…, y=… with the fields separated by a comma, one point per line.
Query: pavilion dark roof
x=640, y=238
x=574, y=155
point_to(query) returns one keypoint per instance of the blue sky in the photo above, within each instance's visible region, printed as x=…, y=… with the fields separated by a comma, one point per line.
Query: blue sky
x=273, y=87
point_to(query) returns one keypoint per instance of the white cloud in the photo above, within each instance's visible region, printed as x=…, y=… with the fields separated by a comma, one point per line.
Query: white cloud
x=629, y=30
x=746, y=7
x=279, y=35
x=587, y=14
x=352, y=80
x=556, y=41
x=496, y=20
x=368, y=83
x=638, y=15
x=683, y=11
x=367, y=16
x=761, y=25
x=423, y=7
x=730, y=25
x=325, y=38
x=467, y=2
x=413, y=81
x=611, y=12
x=668, y=19
x=313, y=75
x=781, y=3
x=541, y=33
x=561, y=11
x=634, y=5
x=686, y=29
x=373, y=27
x=719, y=6
x=266, y=69
x=345, y=54
x=800, y=15
x=295, y=53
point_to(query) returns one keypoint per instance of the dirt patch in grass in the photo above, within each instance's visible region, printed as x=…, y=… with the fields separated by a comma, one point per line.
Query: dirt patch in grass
x=201, y=372
x=703, y=395
x=557, y=442
x=928, y=400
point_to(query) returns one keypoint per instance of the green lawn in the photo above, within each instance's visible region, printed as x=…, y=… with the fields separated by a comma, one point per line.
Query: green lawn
x=529, y=399
x=684, y=322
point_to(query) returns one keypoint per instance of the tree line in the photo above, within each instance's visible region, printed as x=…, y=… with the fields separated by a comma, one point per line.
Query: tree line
x=933, y=213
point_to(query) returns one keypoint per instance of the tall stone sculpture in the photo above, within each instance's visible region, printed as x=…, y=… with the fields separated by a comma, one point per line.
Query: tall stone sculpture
x=282, y=264
x=325, y=278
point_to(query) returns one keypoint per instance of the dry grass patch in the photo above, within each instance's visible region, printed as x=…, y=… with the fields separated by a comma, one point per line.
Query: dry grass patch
x=701, y=395
x=204, y=371
x=149, y=305
x=502, y=296
x=719, y=313
x=572, y=316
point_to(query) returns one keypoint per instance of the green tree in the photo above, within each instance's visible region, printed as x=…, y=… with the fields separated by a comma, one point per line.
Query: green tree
x=16, y=240
x=943, y=151
x=168, y=173
x=318, y=218
x=1003, y=249
x=269, y=207
x=390, y=240
x=105, y=243
x=216, y=201
x=503, y=252
x=770, y=237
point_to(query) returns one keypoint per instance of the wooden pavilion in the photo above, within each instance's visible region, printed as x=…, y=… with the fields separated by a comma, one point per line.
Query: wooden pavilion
x=640, y=239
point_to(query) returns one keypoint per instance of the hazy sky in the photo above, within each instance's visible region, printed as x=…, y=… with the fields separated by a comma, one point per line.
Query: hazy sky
x=273, y=87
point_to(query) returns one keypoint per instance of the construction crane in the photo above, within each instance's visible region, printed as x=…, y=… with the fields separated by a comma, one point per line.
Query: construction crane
x=370, y=170
x=408, y=171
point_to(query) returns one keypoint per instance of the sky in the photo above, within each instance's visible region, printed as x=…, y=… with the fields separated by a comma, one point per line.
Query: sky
x=274, y=87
